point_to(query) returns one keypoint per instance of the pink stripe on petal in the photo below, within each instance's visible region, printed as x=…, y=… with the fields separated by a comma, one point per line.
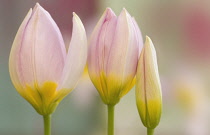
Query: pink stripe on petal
x=105, y=43
x=96, y=45
x=124, y=53
x=42, y=52
x=93, y=43
x=116, y=60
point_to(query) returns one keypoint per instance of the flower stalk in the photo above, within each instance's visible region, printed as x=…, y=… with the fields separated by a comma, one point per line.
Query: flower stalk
x=47, y=124
x=150, y=131
x=110, y=119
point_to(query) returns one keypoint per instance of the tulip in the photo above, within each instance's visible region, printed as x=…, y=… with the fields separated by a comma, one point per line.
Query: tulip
x=148, y=87
x=113, y=55
x=40, y=69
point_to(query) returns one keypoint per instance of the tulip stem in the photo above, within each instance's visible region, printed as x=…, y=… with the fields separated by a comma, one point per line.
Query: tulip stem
x=150, y=131
x=47, y=124
x=110, y=119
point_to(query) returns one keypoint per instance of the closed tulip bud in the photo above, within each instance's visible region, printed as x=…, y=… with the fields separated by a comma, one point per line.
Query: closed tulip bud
x=40, y=69
x=113, y=54
x=148, y=87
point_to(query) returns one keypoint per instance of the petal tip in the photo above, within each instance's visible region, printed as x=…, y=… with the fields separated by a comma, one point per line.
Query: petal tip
x=149, y=45
x=36, y=6
x=148, y=40
x=75, y=16
x=108, y=9
x=30, y=11
x=124, y=11
x=78, y=23
x=109, y=12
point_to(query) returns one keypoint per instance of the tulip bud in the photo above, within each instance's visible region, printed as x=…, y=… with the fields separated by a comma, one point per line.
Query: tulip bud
x=148, y=87
x=40, y=69
x=113, y=54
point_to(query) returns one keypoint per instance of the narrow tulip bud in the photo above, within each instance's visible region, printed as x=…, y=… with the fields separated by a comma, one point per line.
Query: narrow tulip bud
x=148, y=87
x=113, y=55
x=40, y=69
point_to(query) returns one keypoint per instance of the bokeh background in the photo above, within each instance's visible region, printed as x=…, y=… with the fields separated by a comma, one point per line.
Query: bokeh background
x=180, y=31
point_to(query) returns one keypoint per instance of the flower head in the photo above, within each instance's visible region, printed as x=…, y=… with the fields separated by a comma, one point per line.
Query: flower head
x=113, y=55
x=40, y=69
x=148, y=87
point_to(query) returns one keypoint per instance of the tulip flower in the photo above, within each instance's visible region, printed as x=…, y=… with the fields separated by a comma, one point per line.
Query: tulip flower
x=40, y=69
x=148, y=87
x=113, y=55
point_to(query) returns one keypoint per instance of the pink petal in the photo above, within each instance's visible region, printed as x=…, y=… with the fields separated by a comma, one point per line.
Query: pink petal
x=14, y=57
x=105, y=41
x=138, y=35
x=124, y=53
x=42, y=51
x=99, y=47
x=94, y=45
x=77, y=56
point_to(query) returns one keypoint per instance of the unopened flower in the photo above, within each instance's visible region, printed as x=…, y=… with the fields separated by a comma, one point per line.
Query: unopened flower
x=40, y=69
x=113, y=55
x=148, y=87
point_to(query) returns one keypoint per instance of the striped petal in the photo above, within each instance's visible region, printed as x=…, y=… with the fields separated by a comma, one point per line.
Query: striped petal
x=41, y=53
x=93, y=53
x=99, y=48
x=123, y=56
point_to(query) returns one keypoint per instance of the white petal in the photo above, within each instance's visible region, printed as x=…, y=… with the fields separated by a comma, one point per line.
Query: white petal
x=77, y=55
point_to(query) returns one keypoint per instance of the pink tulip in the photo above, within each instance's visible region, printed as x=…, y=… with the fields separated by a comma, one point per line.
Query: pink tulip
x=40, y=69
x=113, y=54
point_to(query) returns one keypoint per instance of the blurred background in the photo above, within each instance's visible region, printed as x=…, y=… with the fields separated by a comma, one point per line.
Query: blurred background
x=180, y=31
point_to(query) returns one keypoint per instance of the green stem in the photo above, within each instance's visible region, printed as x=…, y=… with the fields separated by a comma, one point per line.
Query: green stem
x=110, y=119
x=150, y=131
x=47, y=124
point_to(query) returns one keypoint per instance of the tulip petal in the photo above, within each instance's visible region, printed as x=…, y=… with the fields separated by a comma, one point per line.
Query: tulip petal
x=99, y=48
x=138, y=35
x=148, y=87
x=76, y=57
x=93, y=65
x=42, y=51
x=13, y=60
x=124, y=52
x=139, y=42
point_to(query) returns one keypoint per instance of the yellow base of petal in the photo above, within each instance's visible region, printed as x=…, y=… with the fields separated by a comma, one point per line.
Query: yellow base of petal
x=150, y=112
x=44, y=99
x=112, y=87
